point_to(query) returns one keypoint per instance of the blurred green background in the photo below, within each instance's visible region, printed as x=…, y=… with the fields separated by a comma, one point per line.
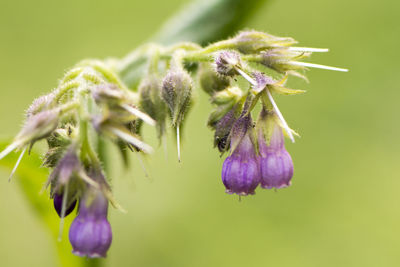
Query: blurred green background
x=342, y=209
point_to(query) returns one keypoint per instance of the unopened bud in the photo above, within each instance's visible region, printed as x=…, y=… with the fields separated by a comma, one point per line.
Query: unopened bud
x=252, y=42
x=229, y=95
x=68, y=167
x=223, y=128
x=60, y=137
x=227, y=62
x=39, y=104
x=152, y=103
x=280, y=59
x=58, y=203
x=176, y=92
x=210, y=80
x=38, y=126
x=107, y=93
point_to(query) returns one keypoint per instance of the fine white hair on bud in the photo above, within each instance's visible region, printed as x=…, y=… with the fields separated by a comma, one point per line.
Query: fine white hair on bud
x=141, y=115
x=317, y=66
x=227, y=62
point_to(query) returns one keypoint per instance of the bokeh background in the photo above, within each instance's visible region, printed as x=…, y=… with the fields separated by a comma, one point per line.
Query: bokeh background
x=343, y=208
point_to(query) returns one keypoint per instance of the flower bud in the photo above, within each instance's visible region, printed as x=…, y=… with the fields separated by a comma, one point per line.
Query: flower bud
x=276, y=165
x=176, y=92
x=280, y=59
x=240, y=171
x=58, y=142
x=61, y=136
x=38, y=126
x=107, y=93
x=210, y=81
x=67, y=167
x=226, y=63
x=90, y=232
x=152, y=103
x=229, y=95
x=225, y=101
x=58, y=200
x=222, y=129
x=252, y=42
x=39, y=104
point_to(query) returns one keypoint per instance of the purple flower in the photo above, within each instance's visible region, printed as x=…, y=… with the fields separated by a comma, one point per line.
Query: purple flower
x=276, y=165
x=240, y=171
x=90, y=233
x=58, y=198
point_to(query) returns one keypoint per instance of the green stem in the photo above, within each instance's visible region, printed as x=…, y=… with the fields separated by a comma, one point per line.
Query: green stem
x=102, y=152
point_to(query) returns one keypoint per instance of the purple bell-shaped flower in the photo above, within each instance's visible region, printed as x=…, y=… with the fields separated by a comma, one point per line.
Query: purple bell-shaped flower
x=276, y=165
x=240, y=171
x=90, y=233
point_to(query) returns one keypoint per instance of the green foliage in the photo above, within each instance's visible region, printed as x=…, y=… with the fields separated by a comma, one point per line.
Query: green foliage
x=208, y=21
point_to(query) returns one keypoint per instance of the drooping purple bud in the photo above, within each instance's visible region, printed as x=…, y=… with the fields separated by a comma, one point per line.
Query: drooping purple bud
x=70, y=205
x=276, y=165
x=90, y=233
x=68, y=166
x=240, y=171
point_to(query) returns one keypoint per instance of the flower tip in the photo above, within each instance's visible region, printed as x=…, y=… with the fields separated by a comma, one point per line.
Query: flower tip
x=309, y=49
x=8, y=150
x=178, y=143
x=240, y=194
x=283, y=185
x=17, y=164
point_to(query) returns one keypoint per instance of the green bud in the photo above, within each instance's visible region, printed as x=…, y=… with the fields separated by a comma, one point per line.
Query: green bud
x=252, y=42
x=266, y=123
x=176, y=92
x=152, y=103
x=210, y=81
x=229, y=95
x=61, y=136
x=40, y=104
x=280, y=59
x=227, y=62
x=108, y=94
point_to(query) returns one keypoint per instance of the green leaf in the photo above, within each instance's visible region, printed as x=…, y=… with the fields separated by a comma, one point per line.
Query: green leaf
x=207, y=21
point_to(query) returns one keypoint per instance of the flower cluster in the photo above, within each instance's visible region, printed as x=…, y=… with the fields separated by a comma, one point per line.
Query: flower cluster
x=257, y=154
x=92, y=103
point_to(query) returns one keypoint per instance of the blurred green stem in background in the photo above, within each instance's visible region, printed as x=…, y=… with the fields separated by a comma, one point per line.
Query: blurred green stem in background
x=202, y=22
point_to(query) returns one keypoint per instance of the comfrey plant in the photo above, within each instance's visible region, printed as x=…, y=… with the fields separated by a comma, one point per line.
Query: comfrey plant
x=91, y=103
